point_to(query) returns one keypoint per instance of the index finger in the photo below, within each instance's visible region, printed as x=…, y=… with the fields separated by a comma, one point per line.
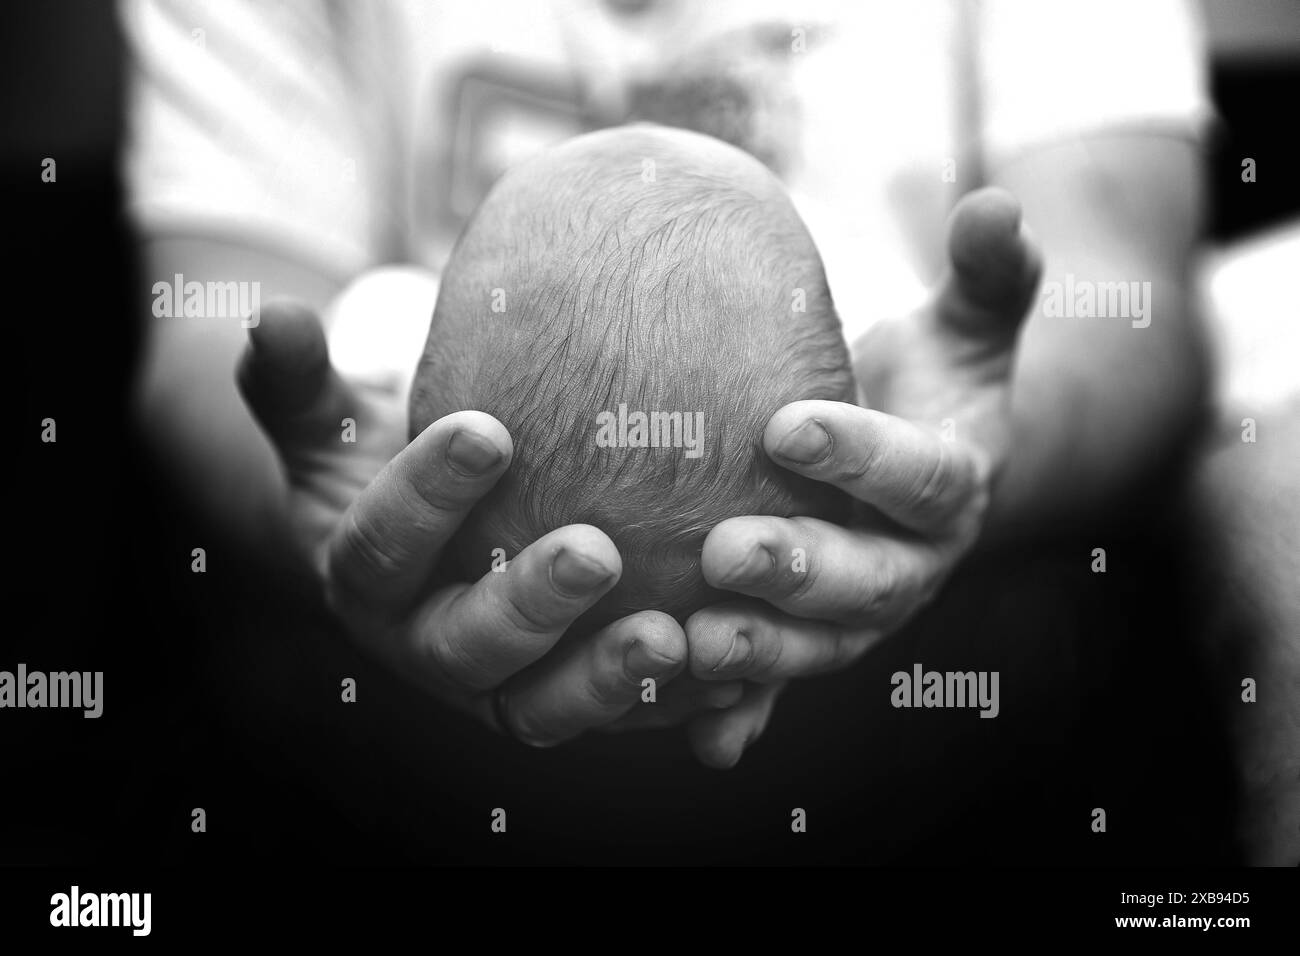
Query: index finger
x=910, y=474
x=388, y=542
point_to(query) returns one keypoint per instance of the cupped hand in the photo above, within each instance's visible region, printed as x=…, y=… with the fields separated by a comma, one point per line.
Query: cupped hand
x=920, y=463
x=372, y=516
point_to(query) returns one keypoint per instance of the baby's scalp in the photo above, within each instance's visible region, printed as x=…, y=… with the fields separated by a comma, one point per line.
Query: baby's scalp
x=633, y=306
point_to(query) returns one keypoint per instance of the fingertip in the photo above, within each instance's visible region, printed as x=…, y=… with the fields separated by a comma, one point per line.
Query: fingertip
x=731, y=543
x=789, y=416
x=712, y=743
x=983, y=214
x=288, y=335
x=986, y=234
x=718, y=642
x=661, y=638
x=476, y=443
x=790, y=420
x=995, y=265
x=581, y=561
x=285, y=364
x=1033, y=260
x=720, y=740
x=483, y=425
x=472, y=455
x=589, y=542
x=649, y=644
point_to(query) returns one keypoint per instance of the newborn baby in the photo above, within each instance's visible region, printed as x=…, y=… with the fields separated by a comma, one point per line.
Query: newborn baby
x=633, y=306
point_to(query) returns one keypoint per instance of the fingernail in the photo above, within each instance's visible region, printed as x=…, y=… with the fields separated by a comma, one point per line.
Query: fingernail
x=756, y=566
x=807, y=444
x=575, y=575
x=472, y=454
x=640, y=662
x=737, y=655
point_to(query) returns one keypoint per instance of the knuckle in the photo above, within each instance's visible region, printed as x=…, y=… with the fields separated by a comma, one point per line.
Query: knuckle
x=769, y=649
x=436, y=497
x=858, y=462
x=605, y=692
x=945, y=488
x=876, y=598
x=848, y=650
x=523, y=617
x=455, y=664
x=367, y=546
x=803, y=585
x=933, y=482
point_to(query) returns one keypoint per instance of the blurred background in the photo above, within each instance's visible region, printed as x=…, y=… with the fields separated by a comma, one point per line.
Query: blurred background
x=222, y=693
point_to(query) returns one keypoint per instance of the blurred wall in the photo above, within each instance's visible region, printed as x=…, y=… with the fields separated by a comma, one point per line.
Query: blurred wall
x=1252, y=29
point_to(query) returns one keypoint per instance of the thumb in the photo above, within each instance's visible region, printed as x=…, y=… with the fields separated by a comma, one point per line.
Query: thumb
x=994, y=267
x=286, y=378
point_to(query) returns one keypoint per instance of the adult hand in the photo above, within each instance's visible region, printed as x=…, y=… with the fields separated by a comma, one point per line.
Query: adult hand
x=372, y=516
x=920, y=464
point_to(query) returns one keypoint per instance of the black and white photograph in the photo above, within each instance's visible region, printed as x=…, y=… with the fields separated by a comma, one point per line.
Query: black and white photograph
x=463, y=437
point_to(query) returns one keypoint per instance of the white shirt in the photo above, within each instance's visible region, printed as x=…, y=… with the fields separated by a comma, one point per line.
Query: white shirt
x=354, y=134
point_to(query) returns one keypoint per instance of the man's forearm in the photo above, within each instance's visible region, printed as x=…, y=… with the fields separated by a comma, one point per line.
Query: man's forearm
x=1097, y=401
x=1100, y=399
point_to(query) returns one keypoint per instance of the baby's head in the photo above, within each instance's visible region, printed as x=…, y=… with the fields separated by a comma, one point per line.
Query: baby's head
x=633, y=306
